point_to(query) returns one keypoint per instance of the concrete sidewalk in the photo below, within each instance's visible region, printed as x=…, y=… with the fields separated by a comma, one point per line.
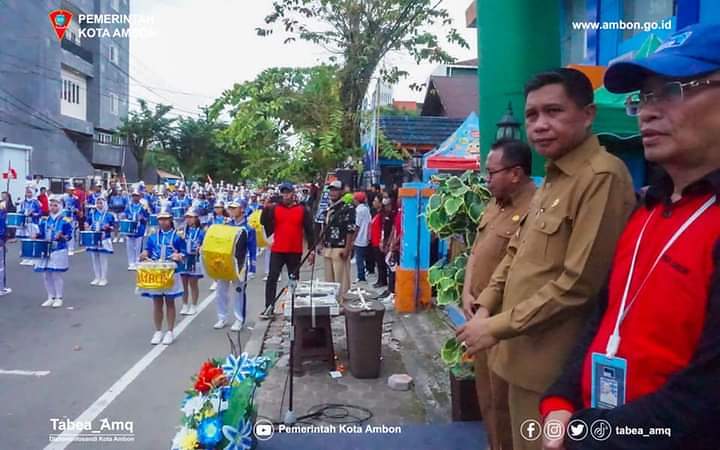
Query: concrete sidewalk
x=410, y=345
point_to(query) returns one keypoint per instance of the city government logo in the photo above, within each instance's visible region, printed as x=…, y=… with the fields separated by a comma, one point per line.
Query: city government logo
x=60, y=20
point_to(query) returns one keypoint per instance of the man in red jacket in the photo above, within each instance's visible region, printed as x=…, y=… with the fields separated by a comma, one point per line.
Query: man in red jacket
x=646, y=373
x=44, y=203
x=288, y=222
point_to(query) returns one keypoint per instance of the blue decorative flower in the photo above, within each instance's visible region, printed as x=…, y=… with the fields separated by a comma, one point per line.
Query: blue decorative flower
x=237, y=368
x=239, y=439
x=210, y=432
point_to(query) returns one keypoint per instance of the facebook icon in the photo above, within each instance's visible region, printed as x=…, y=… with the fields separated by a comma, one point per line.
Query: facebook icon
x=530, y=430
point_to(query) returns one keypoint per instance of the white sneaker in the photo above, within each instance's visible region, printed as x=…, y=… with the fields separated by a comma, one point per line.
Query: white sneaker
x=71, y=253
x=220, y=324
x=115, y=240
x=26, y=262
x=95, y=282
x=132, y=267
x=121, y=240
x=48, y=302
x=213, y=286
x=192, y=310
x=184, y=310
x=57, y=303
x=168, y=339
x=251, y=276
x=237, y=325
x=5, y=291
x=102, y=282
x=157, y=337
x=265, y=278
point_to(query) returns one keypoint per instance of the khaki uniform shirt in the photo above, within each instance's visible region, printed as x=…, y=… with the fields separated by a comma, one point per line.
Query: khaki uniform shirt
x=497, y=225
x=556, y=263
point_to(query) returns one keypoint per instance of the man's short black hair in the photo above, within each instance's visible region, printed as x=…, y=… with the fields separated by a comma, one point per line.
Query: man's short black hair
x=515, y=153
x=576, y=84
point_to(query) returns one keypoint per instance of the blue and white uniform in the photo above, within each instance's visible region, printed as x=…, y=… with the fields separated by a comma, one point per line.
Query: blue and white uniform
x=51, y=229
x=185, y=203
x=160, y=246
x=71, y=210
x=194, y=237
x=137, y=213
x=30, y=208
x=103, y=221
x=224, y=292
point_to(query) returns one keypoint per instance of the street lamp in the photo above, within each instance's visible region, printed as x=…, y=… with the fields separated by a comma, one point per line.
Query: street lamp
x=508, y=127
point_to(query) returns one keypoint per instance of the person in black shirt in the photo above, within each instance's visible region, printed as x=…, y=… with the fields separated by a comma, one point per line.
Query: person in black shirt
x=338, y=238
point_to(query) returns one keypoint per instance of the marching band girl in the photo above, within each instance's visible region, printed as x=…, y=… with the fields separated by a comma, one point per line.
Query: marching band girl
x=223, y=287
x=135, y=212
x=30, y=208
x=100, y=219
x=117, y=202
x=194, y=235
x=72, y=209
x=164, y=245
x=58, y=230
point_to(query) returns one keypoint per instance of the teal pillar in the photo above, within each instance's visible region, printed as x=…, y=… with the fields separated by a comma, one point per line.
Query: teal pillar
x=516, y=39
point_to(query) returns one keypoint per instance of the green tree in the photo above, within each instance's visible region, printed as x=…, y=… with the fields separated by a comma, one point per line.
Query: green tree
x=284, y=124
x=360, y=33
x=147, y=130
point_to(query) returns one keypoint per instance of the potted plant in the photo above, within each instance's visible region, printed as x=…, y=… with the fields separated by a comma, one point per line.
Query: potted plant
x=464, y=401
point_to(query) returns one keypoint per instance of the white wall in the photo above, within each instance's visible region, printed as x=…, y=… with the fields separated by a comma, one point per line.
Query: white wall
x=73, y=93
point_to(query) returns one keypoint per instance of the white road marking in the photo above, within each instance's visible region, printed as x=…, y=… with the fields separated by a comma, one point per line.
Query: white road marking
x=27, y=373
x=94, y=410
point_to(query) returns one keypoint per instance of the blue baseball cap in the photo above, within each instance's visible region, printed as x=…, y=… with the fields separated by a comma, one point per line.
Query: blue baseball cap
x=286, y=186
x=691, y=52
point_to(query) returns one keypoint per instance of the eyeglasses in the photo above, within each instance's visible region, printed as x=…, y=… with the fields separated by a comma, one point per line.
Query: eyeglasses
x=670, y=92
x=491, y=173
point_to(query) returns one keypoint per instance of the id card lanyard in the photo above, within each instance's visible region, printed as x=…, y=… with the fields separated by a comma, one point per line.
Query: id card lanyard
x=614, y=342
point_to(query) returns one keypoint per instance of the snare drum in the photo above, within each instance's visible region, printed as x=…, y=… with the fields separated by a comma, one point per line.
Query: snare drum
x=34, y=248
x=155, y=276
x=187, y=264
x=15, y=220
x=153, y=220
x=90, y=238
x=178, y=212
x=128, y=227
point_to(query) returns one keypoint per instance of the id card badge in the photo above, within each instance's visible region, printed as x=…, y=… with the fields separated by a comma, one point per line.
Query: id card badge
x=609, y=376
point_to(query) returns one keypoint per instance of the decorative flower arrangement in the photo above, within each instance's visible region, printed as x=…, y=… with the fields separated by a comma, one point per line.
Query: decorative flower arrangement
x=218, y=412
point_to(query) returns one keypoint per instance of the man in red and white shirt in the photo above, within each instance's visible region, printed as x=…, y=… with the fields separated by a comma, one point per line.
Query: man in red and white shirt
x=650, y=358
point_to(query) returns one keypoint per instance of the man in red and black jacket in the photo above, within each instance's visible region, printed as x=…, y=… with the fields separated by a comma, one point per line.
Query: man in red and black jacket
x=645, y=375
x=287, y=222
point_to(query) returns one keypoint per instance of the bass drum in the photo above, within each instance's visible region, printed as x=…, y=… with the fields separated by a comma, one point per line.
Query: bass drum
x=224, y=253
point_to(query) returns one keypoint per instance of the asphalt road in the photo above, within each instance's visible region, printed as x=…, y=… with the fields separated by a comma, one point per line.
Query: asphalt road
x=99, y=339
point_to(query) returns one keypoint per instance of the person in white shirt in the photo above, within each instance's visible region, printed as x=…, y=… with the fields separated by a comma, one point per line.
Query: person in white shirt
x=362, y=238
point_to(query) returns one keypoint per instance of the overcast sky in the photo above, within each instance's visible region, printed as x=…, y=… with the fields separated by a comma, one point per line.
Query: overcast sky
x=199, y=48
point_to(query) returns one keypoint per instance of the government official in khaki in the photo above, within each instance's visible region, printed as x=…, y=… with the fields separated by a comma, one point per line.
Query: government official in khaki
x=508, y=179
x=540, y=296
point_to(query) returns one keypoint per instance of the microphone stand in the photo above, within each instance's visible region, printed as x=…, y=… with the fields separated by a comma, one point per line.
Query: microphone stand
x=290, y=417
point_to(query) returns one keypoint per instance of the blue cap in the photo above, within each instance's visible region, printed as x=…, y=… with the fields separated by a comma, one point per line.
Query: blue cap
x=286, y=186
x=691, y=52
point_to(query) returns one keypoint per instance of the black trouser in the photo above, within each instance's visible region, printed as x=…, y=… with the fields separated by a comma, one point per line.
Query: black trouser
x=277, y=261
x=380, y=266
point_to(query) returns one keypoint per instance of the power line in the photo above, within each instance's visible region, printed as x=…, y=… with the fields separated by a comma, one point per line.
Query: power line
x=18, y=14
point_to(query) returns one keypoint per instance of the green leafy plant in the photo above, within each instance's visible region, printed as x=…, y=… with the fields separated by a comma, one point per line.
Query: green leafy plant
x=454, y=210
x=454, y=357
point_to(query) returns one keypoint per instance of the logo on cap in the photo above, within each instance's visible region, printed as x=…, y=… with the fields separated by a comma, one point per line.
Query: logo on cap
x=60, y=20
x=674, y=41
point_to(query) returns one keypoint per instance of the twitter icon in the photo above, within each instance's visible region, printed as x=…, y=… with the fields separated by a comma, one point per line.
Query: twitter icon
x=577, y=430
